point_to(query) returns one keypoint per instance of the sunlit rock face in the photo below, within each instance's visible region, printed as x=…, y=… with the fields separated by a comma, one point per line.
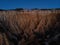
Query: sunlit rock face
x=30, y=27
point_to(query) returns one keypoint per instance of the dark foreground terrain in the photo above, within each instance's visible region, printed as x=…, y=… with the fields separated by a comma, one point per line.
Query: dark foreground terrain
x=26, y=28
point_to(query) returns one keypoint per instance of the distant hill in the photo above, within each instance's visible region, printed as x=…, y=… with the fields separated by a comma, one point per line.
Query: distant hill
x=32, y=9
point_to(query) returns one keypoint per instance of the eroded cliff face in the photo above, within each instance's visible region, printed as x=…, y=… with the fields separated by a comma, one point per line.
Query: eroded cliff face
x=37, y=27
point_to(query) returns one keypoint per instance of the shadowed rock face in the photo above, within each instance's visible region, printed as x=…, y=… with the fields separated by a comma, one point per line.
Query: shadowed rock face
x=28, y=29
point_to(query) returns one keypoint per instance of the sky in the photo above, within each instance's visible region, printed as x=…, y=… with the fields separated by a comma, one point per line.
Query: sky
x=29, y=4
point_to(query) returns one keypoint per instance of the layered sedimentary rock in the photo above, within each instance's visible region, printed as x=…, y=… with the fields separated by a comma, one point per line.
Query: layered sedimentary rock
x=30, y=27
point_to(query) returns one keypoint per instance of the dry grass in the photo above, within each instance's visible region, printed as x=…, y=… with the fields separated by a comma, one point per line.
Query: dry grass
x=27, y=29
